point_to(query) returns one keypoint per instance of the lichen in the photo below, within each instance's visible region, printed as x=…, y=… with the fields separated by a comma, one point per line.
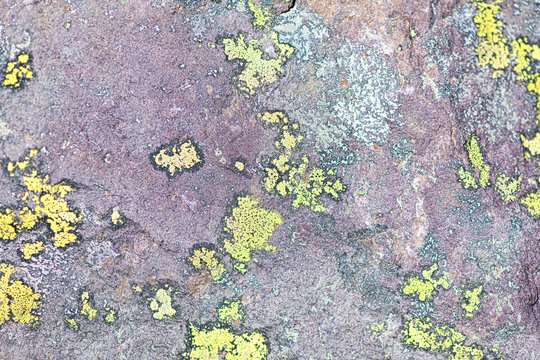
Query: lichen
x=30, y=249
x=230, y=311
x=204, y=258
x=263, y=16
x=161, y=303
x=258, y=69
x=17, y=301
x=248, y=228
x=423, y=288
x=476, y=160
x=531, y=202
x=117, y=219
x=423, y=334
x=18, y=71
x=87, y=306
x=110, y=315
x=178, y=156
x=507, y=188
x=209, y=343
x=471, y=301
x=44, y=203
x=493, y=49
x=285, y=176
x=532, y=146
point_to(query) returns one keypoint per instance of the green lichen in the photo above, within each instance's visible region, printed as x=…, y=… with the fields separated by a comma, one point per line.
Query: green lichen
x=471, y=301
x=423, y=288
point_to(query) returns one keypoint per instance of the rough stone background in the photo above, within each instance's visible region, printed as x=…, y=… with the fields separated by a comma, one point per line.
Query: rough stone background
x=129, y=76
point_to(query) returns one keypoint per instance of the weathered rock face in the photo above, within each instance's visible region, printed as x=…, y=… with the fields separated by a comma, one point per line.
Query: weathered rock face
x=269, y=179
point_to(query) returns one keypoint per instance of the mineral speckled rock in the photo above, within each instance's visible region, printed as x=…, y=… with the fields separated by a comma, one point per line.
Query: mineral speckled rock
x=269, y=179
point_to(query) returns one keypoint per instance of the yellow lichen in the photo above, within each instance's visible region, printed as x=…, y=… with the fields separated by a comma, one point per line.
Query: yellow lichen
x=178, y=156
x=210, y=343
x=258, y=69
x=116, y=218
x=427, y=336
x=532, y=146
x=44, y=203
x=493, y=48
x=472, y=301
x=87, y=308
x=31, y=249
x=205, y=259
x=230, y=311
x=161, y=304
x=507, y=188
x=18, y=71
x=72, y=323
x=531, y=202
x=110, y=315
x=466, y=179
x=263, y=15
x=248, y=228
x=286, y=176
x=423, y=288
x=17, y=301
x=239, y=165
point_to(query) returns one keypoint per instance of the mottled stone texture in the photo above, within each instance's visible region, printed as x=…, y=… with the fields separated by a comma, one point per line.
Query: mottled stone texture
x=385, y=93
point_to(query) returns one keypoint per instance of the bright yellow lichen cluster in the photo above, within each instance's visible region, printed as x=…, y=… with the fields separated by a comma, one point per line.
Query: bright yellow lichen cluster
x=17, y=301
x=205, y=259
x=248, y=228
x=116, y=218
x=532, y=146
x=493, y=49
x=18, y=71
x=424, y=288
x=230, y=311
x=30, y=249
x=508, y=188
x=178, y=156
x=523, y=53
x=531, y=202
x=288, y=177
x=87, y=308
x=427, y=336
x=161, y=303
x=44, y=202
x=472, y=301
x=258, y=69
x=262, y=15
x=476, y=159
x=216, y=343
